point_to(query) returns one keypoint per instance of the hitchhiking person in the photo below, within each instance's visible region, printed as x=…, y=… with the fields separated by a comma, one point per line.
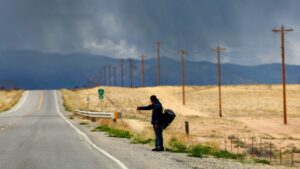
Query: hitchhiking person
x=156, y=121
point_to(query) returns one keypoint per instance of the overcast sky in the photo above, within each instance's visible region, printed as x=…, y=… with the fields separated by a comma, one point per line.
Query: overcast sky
x=128, y=28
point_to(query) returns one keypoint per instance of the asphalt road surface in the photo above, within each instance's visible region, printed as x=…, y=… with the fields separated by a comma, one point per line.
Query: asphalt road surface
x=34, y=135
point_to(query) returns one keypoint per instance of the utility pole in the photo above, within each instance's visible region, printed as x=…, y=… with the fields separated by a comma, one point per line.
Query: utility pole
x=100, y=79
x=143, y=71
x=182, y=52
x=96, y=80
x=158, y=62
x=219, y=50
x=282, y=30
x=109, y=74
x=104, y=76
x=122, y=72
x=115, y=75
x=131, y=71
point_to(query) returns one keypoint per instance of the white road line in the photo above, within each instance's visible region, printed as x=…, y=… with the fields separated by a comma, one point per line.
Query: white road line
x=86, y=138
x=19, y=104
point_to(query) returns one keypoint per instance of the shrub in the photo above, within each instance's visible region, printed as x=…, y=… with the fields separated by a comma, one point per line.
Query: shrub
x=112, y=132
x=136, y=139
x=227, y=155
x=176, y=146
x=83, y=123
x=200, y=150
x=261, y=161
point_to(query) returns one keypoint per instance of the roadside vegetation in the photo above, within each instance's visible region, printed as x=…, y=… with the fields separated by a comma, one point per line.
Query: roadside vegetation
x=83, y=123
x=113, y=132
x=70, y=101
x=174, y=145
x=8, y=98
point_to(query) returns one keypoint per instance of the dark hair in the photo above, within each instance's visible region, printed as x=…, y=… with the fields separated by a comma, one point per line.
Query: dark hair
x=153, y=98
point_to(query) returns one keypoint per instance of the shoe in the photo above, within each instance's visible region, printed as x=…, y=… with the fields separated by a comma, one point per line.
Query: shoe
x=160, y=149
x=155, y=149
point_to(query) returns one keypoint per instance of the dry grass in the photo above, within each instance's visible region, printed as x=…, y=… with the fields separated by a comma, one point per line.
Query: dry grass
x=249, y=110
x=9, y=98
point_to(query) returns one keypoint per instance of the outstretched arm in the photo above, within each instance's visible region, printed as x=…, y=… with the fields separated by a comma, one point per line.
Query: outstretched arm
x=150, y=107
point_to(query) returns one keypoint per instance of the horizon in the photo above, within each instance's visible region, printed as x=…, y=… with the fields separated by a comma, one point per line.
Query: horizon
x=138, y=59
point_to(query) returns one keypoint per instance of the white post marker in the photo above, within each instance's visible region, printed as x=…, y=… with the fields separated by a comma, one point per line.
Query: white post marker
x=87, y=102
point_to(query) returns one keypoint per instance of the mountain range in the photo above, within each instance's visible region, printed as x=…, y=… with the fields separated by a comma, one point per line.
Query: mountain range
x=36, y=70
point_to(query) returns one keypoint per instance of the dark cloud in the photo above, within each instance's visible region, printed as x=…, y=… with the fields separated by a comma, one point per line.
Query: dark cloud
x=127, y=28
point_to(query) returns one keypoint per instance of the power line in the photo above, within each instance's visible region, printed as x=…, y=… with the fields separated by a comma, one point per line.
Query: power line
x=167, y=50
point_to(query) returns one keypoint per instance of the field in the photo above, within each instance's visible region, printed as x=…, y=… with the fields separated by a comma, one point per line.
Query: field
x=249, y=111
x=9, y=98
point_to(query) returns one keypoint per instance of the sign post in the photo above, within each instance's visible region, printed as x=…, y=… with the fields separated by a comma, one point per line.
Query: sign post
x=101, y=97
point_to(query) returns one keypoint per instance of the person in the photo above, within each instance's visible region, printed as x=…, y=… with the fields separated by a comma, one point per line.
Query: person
x=156, y=121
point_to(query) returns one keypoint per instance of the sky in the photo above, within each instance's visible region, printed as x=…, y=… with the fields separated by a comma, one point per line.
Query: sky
x=129, y=28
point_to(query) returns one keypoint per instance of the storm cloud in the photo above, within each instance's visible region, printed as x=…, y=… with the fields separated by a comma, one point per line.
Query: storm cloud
x=128, y=28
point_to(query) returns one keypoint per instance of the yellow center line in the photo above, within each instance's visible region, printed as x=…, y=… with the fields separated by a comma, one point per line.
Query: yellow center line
x=41, y=102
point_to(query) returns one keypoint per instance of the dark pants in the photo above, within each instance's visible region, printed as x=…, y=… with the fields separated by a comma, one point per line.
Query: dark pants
x=159, y=143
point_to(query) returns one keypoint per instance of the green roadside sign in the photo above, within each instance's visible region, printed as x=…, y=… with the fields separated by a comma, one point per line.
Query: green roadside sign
x=101, y=94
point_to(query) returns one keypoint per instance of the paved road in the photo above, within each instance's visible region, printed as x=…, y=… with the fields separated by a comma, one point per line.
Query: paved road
x=34, y=136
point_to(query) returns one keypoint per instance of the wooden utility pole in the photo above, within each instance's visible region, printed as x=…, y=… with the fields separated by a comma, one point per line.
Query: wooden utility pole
x=219, y=50
x=104, y=76
x=109, y=74
x=115, y=75
x=158, y=62
x=143, y=71
x=97, y=79
x=282, y=30
x=131, y=73
x=182, y=52
x=101, y=78
x=122, y=73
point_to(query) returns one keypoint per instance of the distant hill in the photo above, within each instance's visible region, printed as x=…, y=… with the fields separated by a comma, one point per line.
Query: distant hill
x=35, y=70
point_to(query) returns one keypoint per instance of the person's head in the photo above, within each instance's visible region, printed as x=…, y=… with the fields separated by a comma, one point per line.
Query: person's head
x=153, y=99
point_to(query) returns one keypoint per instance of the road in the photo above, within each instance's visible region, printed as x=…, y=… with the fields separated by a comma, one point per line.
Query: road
x=33, y=135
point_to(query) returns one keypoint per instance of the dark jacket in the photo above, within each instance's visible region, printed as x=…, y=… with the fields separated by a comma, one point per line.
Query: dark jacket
x=157, y=112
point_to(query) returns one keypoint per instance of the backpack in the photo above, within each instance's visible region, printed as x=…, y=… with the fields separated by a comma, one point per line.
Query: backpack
x=168, y=117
